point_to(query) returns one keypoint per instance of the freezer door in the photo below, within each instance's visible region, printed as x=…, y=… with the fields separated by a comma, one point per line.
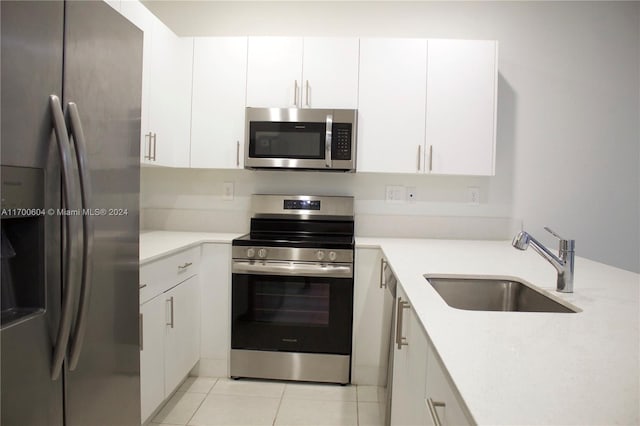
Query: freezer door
x=32, y=43
x=103, y=77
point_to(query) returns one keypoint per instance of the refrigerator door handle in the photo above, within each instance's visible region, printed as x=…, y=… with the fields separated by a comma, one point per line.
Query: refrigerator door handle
x=77, y=338
x=64, y=327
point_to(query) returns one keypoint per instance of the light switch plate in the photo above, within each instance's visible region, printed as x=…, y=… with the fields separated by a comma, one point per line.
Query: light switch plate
x=395, y=194
x=227, y=191
x=473, y=195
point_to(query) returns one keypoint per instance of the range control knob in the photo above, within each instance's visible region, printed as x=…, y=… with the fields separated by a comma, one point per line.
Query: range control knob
x=262, y=253
x=320, y=255
x=332, y=256
x=251, y=252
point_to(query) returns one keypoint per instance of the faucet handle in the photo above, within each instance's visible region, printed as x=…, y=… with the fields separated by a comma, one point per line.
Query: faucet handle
x=565, y=245
x=552, y=232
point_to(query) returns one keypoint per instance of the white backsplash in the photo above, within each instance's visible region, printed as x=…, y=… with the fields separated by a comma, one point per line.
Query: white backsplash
x=191, y=200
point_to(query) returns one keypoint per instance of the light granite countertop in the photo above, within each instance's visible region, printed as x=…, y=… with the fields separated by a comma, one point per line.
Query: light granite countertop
x=517, y=368
x=157, y=244
x=511, y=368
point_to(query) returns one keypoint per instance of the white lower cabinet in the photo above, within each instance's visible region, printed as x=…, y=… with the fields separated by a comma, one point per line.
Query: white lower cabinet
x=420, y=380
x=152, y=355
x=170, y=325
x=215, y=308
x=182, y=332
x=442, y=404
x=409, y=366
x=371, y=320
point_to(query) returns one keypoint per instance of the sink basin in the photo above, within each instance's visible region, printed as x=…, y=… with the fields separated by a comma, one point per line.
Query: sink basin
x=495, y=294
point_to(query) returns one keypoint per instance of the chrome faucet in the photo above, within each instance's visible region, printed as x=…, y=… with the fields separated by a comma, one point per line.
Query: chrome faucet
x=563, y=264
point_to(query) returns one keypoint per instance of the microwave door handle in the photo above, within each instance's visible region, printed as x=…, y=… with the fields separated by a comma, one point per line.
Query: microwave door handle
x=327, y=141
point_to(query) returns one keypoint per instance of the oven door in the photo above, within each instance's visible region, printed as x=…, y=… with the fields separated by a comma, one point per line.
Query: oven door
x=292, y=307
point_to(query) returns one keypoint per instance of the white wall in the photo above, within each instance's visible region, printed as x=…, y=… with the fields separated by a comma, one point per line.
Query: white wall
x=568, y=117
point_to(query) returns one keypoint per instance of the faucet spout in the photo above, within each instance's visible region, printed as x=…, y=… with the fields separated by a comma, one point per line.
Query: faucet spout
x=563, y=264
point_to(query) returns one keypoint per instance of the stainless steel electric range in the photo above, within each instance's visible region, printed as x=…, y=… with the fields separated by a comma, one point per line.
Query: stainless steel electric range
x=292, y=290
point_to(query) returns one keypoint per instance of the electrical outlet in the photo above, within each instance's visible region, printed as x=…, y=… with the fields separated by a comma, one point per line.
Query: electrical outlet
x=227, y=191
x=411, y=194
x=473, y=195
x=395, y=194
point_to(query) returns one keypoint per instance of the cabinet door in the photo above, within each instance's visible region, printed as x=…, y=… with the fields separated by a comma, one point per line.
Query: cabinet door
x=461, y=106
x=371, y=320
x=152, y=355
x=140, y=16
x=330, y=73
x=440, y=390
x=215, y=283
x=391, y=105
x=409, y=368
x=182, y=332
x=274, y=72
x=170, y=96
x=217, y=112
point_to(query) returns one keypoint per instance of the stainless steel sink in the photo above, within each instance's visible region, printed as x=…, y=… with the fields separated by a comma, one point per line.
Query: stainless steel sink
x=495, y=294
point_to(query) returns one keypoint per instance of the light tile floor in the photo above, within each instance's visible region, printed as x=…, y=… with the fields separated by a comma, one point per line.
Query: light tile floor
x=204, y=401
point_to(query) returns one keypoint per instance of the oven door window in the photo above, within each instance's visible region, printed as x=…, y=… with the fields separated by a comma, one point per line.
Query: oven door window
x=287, y=140
x=297, y=314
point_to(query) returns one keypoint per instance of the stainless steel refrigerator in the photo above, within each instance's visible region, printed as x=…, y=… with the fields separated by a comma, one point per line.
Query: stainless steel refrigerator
x=71, y=87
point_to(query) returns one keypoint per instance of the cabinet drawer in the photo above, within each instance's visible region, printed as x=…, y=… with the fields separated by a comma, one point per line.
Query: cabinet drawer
x=447, y=404
x=159, y=276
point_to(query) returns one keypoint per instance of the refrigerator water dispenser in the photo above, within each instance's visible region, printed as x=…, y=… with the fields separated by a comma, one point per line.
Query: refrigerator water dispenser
x=22, y=243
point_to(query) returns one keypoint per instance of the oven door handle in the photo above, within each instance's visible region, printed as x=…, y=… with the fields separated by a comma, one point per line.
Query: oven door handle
x=307, y=269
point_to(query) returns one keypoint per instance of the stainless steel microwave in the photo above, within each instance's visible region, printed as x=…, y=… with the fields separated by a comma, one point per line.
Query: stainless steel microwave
x=304, y=139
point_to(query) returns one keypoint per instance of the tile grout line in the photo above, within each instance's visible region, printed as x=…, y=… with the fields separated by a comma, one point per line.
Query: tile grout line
x=357, y=407
x=202, y=402
x=275, y=418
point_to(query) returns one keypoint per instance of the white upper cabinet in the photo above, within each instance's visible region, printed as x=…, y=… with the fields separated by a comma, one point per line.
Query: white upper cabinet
x=329, y=73
x=274, y=71
x=391, y=105
x=218, y=101
x=300, y=72
x=461, y=106
x=166, y=90
x=427, y=106
x=140, y=16
x=169, y=97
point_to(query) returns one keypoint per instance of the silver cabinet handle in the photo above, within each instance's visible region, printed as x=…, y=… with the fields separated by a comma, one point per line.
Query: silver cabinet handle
x=383, y=266
x=86, y=195
x=295, y=92
x=142, y=286
x=64, y=327
x=185, y=266
x=419, y=155
x=141, y=336
x=400, y=340
x=147, y=140
x=170, y=323
x=431, y=404
x=430, y=157
x=237, y=153
x=155, y=136
x=306, y=102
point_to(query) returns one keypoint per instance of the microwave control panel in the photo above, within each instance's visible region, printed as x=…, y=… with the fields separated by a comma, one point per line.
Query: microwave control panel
x=341, y=149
